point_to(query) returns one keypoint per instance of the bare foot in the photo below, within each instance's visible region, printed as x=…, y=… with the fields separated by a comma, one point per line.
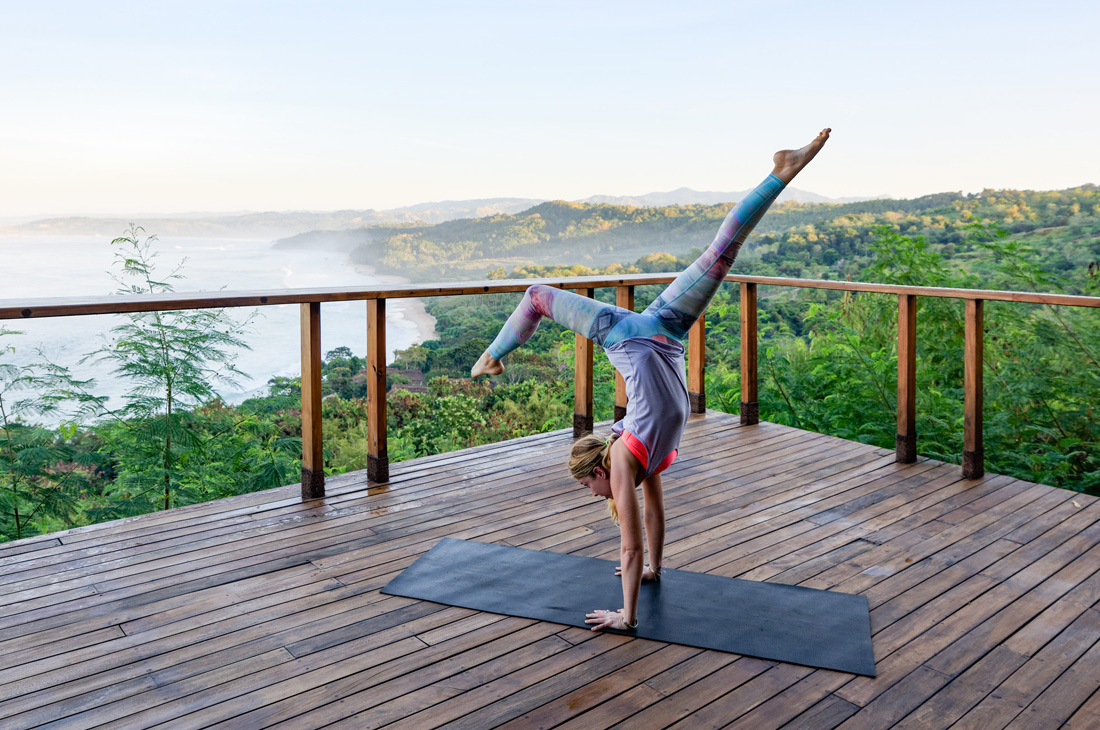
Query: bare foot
x=789, y=163
x=486, y=365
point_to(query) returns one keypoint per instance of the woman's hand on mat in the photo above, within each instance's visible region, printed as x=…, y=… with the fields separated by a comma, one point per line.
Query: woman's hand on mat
x=648, y=576
x=607, y=620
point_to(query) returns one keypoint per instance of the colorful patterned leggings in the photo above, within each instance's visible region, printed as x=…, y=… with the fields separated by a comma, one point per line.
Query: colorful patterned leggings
x=671, y=314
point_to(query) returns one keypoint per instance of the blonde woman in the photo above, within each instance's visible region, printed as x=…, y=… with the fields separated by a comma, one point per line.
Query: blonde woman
x=646, y=349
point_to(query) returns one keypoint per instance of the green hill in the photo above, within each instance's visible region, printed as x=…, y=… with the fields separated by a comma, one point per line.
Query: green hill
x=794, y=239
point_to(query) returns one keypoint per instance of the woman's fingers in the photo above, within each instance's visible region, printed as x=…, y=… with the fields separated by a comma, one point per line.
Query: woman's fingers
x=605, y=619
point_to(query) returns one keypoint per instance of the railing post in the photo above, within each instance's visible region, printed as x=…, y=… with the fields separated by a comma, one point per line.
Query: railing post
x=378, y=460
x=973, y=453
x=907, y=378
x=750, y=407
x=582, y=379
x=624, y=298
x=313, y=456
x=697, y=361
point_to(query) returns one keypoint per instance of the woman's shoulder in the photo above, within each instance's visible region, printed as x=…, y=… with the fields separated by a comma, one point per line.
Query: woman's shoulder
x=623, y=456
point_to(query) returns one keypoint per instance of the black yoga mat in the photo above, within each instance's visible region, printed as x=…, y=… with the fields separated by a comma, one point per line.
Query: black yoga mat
x=805, y=626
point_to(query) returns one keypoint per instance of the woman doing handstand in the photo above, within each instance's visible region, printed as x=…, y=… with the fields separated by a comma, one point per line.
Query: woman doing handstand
x=645, y=348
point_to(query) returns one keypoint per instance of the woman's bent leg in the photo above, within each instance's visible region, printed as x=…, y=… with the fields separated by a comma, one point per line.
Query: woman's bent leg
x=583, y=315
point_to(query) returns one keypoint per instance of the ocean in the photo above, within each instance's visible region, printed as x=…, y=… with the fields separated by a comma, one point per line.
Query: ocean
x=35, y=267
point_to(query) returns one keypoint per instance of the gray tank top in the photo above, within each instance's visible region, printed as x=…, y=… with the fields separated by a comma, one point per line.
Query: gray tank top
x=657, y=408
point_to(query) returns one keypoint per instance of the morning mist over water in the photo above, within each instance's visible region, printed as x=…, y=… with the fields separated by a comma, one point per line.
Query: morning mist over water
x=39, y=267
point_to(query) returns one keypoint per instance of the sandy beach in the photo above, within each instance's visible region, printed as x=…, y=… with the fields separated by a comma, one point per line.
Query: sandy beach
x=411, y=310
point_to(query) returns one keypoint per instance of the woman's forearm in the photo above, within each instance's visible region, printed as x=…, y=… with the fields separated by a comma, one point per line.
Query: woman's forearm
x=632, y=581
x=655, y=536
x=654, y=520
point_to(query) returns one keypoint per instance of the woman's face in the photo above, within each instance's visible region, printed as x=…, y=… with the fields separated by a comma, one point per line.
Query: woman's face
x=598, y=482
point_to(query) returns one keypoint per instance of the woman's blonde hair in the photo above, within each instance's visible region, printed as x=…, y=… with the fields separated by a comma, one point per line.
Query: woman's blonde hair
x=589, y=452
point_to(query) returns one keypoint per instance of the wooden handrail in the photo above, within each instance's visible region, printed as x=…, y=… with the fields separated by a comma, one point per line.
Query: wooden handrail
x=74, y=306
x=376, y=296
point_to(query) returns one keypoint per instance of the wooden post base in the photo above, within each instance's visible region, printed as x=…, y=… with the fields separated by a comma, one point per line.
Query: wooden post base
x=313, y=484
x=906, y=448
x=620, y=413
x=750, y=413
x=378, y=468
x=974, y=464
x=582, y=425
x=698, y=402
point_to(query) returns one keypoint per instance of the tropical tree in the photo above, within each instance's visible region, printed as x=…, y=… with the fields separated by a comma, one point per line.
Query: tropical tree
x=173, y=361
x=43, y=471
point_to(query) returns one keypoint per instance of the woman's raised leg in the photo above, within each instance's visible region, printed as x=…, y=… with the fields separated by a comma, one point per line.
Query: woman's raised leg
x=583, y=315
x=686, y=298
x=678, y=307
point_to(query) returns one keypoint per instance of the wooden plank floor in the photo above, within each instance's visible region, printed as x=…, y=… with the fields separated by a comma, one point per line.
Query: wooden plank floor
x=263, y=611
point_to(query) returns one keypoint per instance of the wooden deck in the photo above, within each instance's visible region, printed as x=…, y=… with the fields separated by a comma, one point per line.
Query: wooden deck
x=263, y=611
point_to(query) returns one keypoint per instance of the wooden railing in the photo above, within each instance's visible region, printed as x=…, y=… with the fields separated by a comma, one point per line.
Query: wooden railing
x=313, y=480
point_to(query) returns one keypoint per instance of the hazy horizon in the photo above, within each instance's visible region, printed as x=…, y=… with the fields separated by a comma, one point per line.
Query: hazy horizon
x=231, y=107
x=227, y=213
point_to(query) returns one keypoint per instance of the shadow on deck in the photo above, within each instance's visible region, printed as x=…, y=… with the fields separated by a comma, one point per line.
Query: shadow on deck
x=263, y=611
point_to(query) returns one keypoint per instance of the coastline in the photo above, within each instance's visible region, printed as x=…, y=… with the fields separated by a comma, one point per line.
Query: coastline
x=79, y=267
x=412, y=310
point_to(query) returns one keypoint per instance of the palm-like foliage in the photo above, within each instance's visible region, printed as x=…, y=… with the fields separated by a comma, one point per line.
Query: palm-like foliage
x=42, y=472
x=173, y=361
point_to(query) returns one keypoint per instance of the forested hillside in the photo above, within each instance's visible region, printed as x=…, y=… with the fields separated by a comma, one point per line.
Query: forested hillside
x=793, y=239
x=828, y=359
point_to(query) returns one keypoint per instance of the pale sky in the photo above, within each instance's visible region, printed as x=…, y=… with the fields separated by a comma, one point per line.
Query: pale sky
x=114, y=108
